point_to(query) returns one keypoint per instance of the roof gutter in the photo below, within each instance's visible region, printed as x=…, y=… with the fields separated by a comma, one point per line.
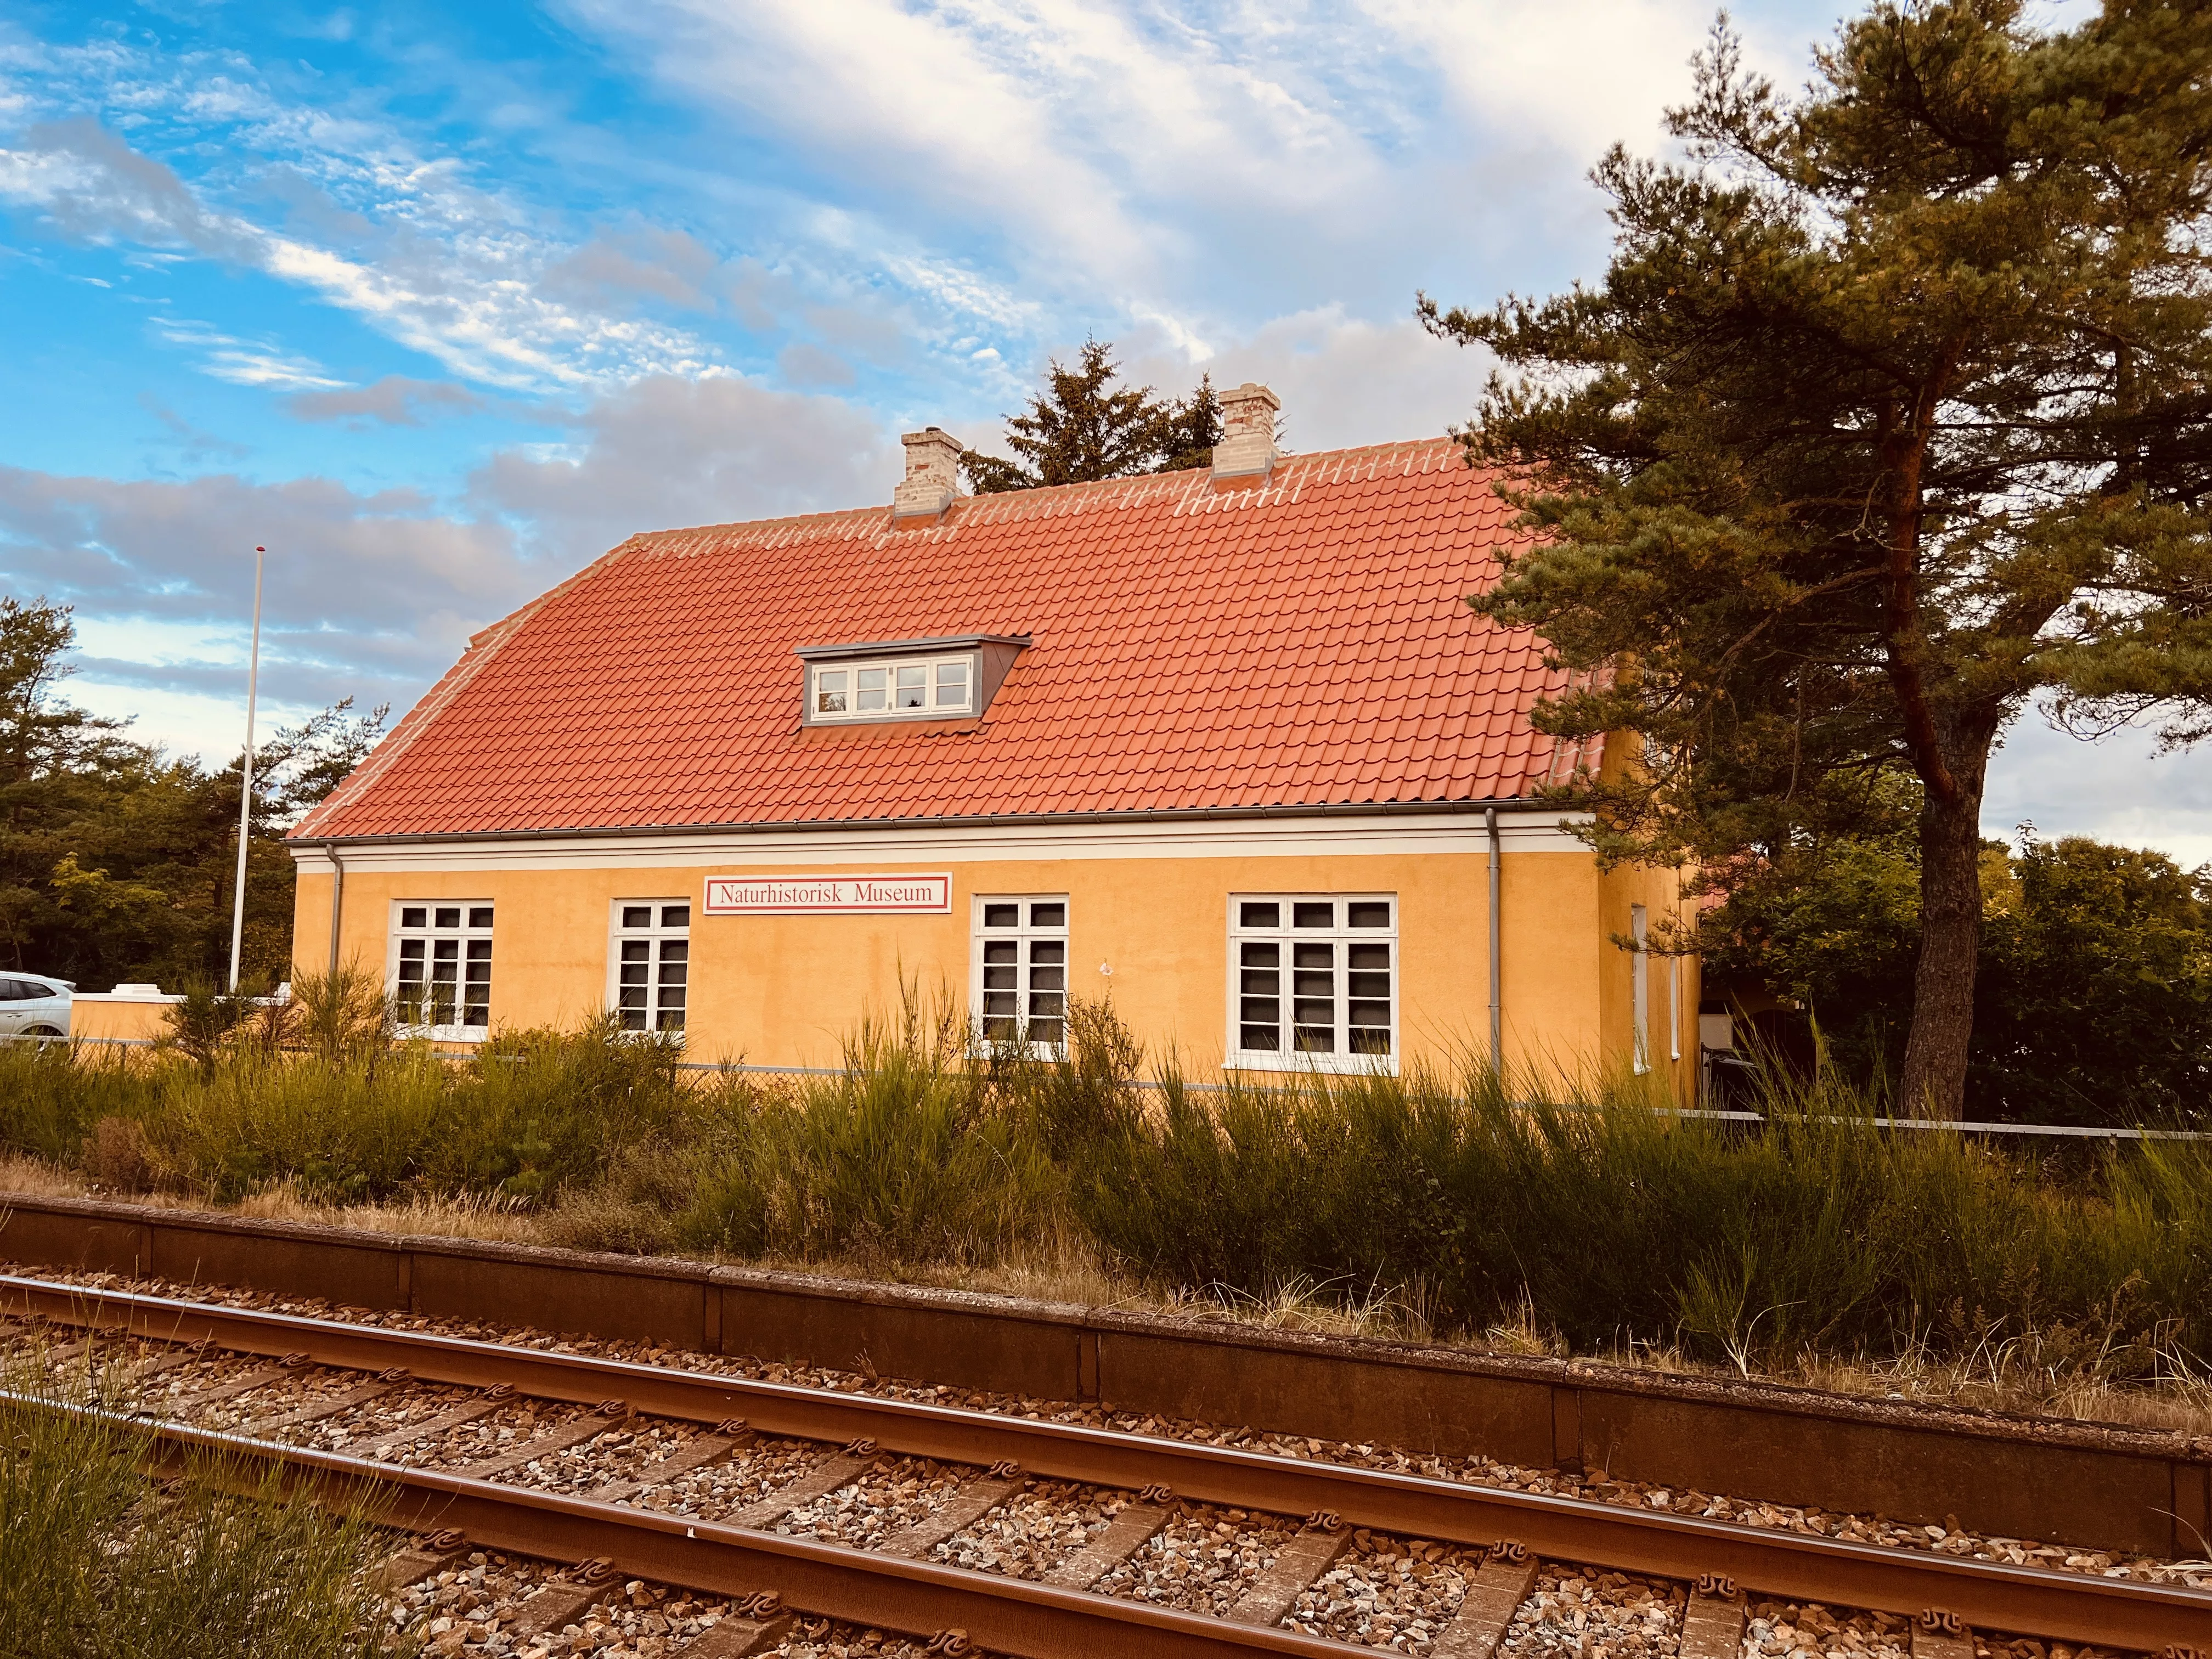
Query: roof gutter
x=978, y=821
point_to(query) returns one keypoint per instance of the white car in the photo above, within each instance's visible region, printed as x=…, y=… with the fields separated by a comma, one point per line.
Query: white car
x=33, y=1006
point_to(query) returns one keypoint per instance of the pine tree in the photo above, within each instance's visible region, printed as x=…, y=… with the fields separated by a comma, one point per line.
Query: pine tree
x=1190, y=430
x=1892, y=414
x=1083, y=428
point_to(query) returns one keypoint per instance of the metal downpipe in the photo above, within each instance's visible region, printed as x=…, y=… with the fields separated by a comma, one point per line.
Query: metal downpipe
x=1497, y=951
x=338, y=901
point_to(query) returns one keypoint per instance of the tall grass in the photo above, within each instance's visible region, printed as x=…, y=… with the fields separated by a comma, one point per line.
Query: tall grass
x=906, y=1156
x=95, y=1558
x=526, y=1116
x=1587, y=1214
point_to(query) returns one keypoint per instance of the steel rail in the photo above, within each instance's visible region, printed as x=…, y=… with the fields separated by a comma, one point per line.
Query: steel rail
x=994, y=1611
x=2035, y=1602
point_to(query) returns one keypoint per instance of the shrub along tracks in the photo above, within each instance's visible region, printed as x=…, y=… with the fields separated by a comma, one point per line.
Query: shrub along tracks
x=277, y=1375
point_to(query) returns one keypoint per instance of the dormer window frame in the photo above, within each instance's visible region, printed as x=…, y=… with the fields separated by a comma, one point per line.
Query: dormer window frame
x=883, y=672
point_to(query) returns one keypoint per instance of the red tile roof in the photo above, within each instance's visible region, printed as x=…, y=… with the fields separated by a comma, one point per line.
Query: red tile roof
x=1299, y=645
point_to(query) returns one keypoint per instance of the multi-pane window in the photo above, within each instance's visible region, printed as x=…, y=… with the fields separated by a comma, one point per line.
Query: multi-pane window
x=441, y=980
x=883, y=690
x=1316, y=979
x=652, y=963
x=1020, y=987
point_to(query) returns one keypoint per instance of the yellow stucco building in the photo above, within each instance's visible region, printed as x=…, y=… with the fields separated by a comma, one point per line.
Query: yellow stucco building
x=1226, y=746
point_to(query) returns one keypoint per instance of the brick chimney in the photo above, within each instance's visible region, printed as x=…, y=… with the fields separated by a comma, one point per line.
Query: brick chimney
x=932, y=475
x=1246, y=453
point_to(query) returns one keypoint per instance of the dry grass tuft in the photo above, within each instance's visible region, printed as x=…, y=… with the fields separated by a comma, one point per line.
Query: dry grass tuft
x=490, y=1217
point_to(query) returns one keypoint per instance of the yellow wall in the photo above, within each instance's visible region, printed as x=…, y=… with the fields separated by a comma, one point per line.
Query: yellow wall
x=783, y=990
x=107, y=1016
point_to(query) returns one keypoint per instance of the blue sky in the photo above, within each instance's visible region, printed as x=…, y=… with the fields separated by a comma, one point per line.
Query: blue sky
x=438, y=302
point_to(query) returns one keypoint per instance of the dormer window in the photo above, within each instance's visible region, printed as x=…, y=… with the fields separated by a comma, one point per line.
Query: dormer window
x=863, y=690
x=906, y=680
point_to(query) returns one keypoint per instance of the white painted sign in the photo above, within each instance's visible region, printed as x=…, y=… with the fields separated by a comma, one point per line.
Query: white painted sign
x=782, y=896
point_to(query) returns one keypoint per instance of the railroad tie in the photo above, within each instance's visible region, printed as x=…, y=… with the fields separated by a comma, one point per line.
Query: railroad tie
x=754, y=1625
x=1125, y=1535
x=559, y=1603
x=837, y=1469
x=1712, y=1627
x=730, y=1435
x=411, y=1566
x=971, y=1503
x=606, y=1416
x=1500, y=1585
x=1937, y=1634
x=467, y=1412
x=200, y=1399
x=152, y=1368
x=384, y=1383
x=1311, y=1552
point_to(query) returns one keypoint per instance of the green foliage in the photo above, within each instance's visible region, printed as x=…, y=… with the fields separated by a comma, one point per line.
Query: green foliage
x=345, y=1013
x=203, y=1023
x=904, y=1156
x=96, y=1559
x=2094, y=998
x=2095, y=1003
x=1887, y=417
x=526, y=1117
x=1083, y=428
x=1589, y=1213
x=116, y=861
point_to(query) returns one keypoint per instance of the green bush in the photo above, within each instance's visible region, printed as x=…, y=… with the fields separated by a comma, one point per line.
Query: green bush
x=1604, y=1221
x=2093, y=993
x=905, y=1155
x=523, y=1118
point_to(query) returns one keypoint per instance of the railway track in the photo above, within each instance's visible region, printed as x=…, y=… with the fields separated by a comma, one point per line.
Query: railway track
x=683, y=1478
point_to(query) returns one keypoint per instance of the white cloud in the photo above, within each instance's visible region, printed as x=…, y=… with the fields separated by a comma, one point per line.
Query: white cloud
x=246, y=362
x=2118, y=790
x=373, y=595
x=1065, y=123
x=209, y=724
x=449, y=271
x=1344, y=381
x=616, y=267
x=395, y=400
x=668, y=452
x=1576, y=76
x=364, y=592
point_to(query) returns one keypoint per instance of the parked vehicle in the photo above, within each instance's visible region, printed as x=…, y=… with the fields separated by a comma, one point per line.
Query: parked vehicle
x=33, y=1006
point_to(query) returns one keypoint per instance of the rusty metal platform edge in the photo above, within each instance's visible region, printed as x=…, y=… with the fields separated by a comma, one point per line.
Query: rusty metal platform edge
x=2098, y=1486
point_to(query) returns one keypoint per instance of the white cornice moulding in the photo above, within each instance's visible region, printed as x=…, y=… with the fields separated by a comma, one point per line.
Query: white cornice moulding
x=1227, y=838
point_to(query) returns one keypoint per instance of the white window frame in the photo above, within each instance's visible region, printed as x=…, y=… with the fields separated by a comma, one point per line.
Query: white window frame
x=1674, y=1007
x=1025, y=934
x=1342, y=1061
x=1639, y=990
x=657, y=933
x=466, y=933
x=932, y=666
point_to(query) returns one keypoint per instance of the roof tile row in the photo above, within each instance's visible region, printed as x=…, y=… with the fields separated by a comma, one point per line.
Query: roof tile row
x=1301, y=644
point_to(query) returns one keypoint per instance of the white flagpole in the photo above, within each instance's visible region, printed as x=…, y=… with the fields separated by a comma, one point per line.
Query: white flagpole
x=245, y=801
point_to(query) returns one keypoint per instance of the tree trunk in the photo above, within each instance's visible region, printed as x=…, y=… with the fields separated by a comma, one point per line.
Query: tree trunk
x=1934, y=1081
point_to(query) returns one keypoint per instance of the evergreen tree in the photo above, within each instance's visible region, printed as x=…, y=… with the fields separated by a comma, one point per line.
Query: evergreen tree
x=1893, y=412
x=1083, y=427
x=116, y=861
x=1190, y=430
